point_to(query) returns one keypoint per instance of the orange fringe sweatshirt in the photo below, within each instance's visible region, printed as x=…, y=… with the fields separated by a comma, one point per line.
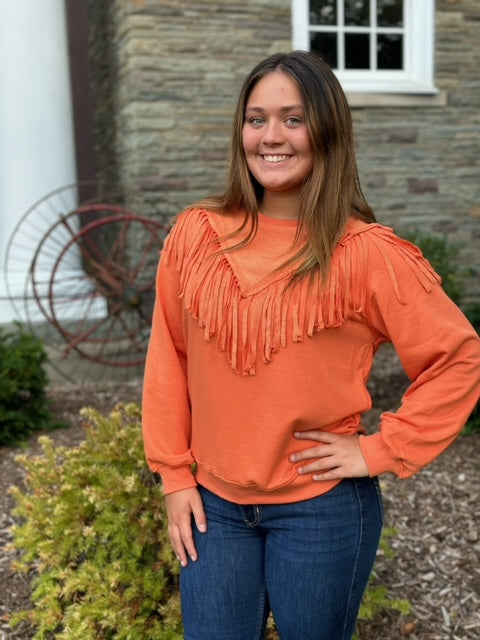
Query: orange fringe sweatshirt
x=237, y=362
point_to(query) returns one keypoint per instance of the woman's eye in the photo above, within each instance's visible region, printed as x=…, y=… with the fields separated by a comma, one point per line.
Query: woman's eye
x=256, y=122
x=294, y=121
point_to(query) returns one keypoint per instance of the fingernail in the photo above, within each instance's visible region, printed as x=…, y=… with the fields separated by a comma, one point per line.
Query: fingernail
x=202, y=528
x=300, y=470
x=183, y=563
x=193, y=558
x=292, y=458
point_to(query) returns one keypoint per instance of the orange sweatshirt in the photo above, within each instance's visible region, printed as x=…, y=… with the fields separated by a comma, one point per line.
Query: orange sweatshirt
x=236, y=364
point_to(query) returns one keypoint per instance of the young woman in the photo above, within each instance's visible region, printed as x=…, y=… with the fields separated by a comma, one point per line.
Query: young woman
x=271, y=302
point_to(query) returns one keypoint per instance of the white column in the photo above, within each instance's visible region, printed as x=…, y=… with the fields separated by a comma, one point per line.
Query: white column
x=36, y=129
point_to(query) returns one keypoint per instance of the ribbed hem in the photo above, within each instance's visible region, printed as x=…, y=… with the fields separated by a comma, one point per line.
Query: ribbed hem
x=302, y=488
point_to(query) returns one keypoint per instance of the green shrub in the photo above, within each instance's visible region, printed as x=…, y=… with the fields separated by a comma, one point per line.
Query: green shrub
x=473, y=314
x=473, y=423
x=23, y=383
x=442, y=255
x=93, y=535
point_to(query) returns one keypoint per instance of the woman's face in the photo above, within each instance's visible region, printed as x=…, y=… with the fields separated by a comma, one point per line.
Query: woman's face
x=276, y=141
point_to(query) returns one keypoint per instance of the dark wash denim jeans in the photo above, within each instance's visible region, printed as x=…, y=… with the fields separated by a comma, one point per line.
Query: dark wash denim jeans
x=309, y=562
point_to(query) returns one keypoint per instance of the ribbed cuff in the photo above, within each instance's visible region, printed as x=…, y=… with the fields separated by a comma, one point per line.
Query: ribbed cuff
x=176, y=479
x=378, y=456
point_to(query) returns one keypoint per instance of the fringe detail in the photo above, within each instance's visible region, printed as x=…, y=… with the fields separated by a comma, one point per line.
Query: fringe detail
x=411, y=255
x=249, y=326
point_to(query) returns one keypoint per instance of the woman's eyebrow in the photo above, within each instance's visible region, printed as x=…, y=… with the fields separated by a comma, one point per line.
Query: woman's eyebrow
x=293, y=107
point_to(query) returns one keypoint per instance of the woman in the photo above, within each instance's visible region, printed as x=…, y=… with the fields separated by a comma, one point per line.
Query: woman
x=271, y=302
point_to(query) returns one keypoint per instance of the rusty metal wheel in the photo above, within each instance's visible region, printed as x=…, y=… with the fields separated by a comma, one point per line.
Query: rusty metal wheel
x=89, y=286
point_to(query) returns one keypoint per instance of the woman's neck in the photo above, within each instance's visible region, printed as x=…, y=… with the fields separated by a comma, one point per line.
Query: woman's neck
x=281, y=205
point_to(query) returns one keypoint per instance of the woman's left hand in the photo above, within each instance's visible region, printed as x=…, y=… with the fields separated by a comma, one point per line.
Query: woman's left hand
x=335, y=456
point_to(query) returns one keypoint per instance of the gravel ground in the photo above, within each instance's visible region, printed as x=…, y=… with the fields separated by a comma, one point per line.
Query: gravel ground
x=436, y=565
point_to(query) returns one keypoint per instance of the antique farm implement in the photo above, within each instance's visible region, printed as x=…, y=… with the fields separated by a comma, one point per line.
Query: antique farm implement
x=81, y=275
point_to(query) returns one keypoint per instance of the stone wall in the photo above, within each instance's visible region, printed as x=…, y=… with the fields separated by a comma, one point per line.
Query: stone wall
x=420, y=166
x=175, y=71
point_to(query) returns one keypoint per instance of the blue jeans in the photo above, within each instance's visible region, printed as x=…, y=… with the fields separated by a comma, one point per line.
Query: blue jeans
x=309, y=562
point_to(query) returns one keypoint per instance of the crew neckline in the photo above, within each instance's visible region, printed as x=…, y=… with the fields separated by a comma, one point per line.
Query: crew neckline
x=281, y=222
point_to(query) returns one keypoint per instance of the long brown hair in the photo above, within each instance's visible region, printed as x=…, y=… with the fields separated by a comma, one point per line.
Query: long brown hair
x=332, y=193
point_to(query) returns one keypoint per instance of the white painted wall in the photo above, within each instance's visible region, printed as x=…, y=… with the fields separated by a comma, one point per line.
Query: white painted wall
x=36, y=128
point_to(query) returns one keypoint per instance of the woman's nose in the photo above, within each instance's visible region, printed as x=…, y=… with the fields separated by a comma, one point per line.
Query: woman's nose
x=272, y=133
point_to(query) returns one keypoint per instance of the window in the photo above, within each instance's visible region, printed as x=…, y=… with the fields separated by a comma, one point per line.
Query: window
x=383, y=46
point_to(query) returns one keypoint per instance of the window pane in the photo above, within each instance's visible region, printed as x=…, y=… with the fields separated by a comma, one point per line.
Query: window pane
x=357, y=51
x=323, y=12
x=390, y=13
x=357, y=12
x=325, y=45
x=389, y=51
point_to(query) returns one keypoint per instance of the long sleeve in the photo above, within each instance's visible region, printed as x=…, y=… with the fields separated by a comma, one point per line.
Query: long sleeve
x=166, y=417
x=439, y=350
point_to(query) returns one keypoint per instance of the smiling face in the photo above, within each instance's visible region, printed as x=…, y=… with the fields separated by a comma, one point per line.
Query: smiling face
x=275, y=137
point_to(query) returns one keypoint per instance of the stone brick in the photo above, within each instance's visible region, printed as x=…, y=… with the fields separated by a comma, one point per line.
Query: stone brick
x=425, y=185
x=449, y=20
x=402, y=135
x=475, y=211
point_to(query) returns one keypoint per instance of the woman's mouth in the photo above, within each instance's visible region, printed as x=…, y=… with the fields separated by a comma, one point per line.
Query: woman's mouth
x=274, y=159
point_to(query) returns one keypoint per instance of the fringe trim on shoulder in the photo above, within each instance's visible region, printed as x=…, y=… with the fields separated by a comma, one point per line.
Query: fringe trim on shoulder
x=385, y=241
x=257, y=325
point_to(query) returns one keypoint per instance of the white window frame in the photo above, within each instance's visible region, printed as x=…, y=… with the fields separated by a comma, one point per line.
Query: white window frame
x=416, y=77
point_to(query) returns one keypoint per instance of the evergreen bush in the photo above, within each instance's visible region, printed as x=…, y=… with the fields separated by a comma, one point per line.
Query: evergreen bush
x=23, y=383
x=93, y=536
x=473, y=424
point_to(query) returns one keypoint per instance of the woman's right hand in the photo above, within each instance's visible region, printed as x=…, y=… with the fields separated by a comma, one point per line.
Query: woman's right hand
x=180, y=507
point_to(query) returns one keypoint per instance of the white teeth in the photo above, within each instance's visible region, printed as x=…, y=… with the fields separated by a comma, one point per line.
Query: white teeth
x=275, y=158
